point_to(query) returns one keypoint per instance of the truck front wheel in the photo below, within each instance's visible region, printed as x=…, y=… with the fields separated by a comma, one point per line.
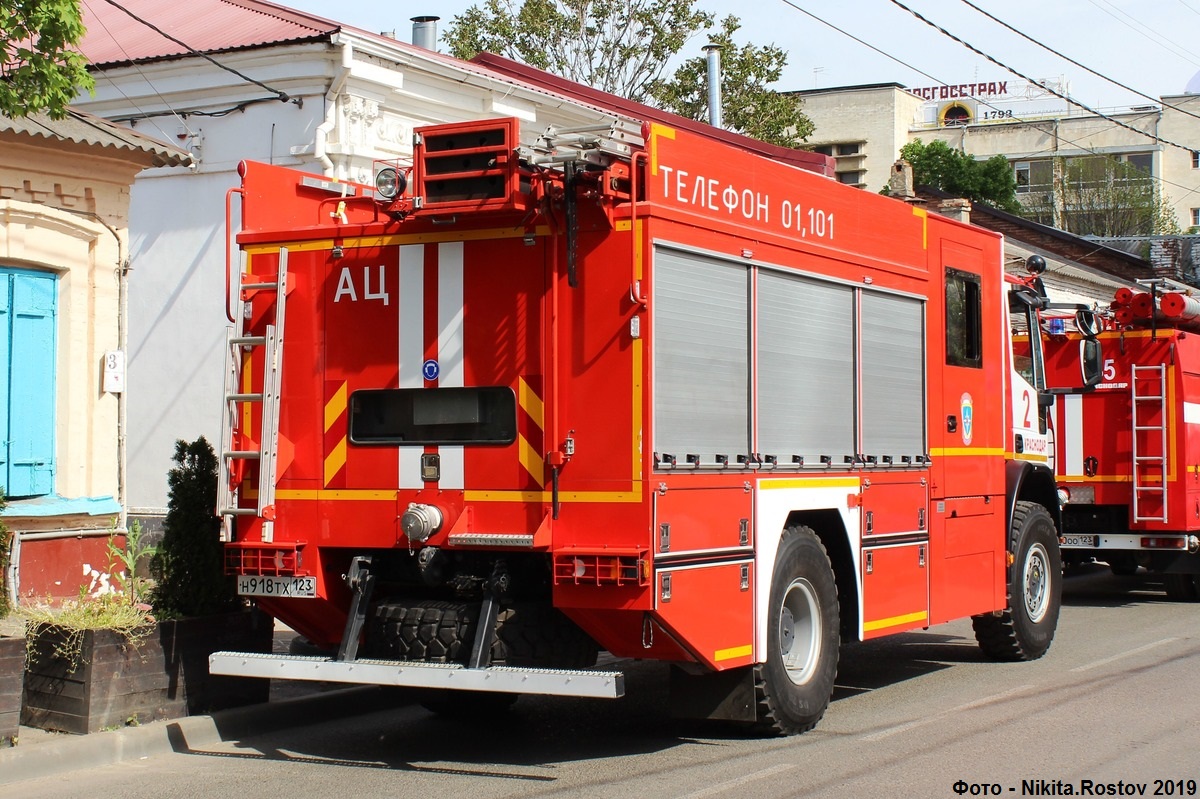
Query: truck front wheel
x=793, y=687
x=1024, y=630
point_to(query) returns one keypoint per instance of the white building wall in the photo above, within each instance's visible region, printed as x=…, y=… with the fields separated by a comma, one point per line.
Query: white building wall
x=877, y=117
x=359, y=103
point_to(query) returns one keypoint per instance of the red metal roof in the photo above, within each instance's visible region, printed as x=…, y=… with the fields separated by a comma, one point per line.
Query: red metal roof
x=115, y=37
x=813, y=162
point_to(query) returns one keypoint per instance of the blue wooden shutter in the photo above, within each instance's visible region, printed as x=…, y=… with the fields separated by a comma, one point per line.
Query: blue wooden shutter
x=5, y=375
x=32, y=367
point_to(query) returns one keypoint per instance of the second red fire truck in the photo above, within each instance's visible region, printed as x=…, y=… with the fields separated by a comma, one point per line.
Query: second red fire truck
x=634, y=389
x=1128, y=454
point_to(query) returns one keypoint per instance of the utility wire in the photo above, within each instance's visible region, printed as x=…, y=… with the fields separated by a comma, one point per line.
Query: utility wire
x=1053, y=91
x=1016, y=120
x=136, y=67
x=281, y=96
x=1027, y=37
x=1146, y=33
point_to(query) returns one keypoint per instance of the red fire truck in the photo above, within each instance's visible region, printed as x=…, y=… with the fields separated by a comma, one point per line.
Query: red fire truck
x=1128, y=454
x=633, y=389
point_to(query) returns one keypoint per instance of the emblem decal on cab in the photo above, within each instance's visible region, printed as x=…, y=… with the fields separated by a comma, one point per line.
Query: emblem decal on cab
x=967, y=419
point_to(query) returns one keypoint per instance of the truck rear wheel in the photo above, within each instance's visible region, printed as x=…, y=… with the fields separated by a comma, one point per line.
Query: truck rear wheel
x=1026, y=628
x=795, y=684
x=1182, y=587
x=528, y=634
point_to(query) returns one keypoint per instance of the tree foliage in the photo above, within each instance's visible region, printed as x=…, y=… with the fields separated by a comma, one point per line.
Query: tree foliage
x=1097, y=195
x=748, y=106
x=625, y=47
x=39, y=69
x=938, y=165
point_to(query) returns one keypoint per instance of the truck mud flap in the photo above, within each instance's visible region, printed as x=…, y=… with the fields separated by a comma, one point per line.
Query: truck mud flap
x=454, y=676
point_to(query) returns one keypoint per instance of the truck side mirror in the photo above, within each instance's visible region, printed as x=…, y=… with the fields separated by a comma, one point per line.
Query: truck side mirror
x=1090, y=361
x=1088, y=323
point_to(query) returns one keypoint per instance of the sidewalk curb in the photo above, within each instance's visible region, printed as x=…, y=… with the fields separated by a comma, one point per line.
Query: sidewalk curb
x=71, y=752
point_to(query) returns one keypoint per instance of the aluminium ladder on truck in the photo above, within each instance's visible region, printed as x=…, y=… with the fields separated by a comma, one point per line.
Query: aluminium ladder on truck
x=1148, y=385
x=237, y=445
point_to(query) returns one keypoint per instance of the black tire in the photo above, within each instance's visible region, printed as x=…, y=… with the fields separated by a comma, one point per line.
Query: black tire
x=1026, y=628
x=794, y=686
x=533, y=634
x=1182, y=587
x=528, y=634
x=425, y=631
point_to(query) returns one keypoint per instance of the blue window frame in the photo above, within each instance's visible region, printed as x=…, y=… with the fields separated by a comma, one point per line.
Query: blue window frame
x=28, y=365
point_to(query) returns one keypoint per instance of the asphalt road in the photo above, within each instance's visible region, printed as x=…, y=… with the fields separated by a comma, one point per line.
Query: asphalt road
x=1115, y=702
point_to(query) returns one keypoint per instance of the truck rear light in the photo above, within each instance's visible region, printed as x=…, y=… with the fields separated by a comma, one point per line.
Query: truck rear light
x=279, y=560
x=1064, y=495
x=601, y=569
x=1178, y=542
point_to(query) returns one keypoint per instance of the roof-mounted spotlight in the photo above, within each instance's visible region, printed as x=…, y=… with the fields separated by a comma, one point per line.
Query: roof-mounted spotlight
x=1035, y=264
x=390, y=183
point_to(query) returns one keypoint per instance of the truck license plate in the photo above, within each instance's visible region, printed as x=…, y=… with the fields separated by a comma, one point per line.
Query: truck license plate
x=257, y=585
x=1079, y=541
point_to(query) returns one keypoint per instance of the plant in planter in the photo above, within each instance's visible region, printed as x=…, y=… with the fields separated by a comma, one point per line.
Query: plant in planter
x=121, y=675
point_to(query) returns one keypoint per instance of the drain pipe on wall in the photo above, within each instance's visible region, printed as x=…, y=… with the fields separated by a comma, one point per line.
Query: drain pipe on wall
x=713, y=53
x=321, y=137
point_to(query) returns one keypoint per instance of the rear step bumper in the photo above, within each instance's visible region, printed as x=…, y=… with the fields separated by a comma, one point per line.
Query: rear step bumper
x=503, y=679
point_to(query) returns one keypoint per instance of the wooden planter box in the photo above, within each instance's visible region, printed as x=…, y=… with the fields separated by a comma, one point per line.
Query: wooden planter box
x=12, y=680
x=164, y=676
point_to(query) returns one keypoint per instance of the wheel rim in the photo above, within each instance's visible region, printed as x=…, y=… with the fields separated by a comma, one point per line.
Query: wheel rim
x=1036, y=581
x=800, y=631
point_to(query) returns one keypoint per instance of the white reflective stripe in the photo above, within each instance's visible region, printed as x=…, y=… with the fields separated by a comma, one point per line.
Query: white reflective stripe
x=1072, y=433
x=1191, y=412
x=412, y=346
x=450, y=346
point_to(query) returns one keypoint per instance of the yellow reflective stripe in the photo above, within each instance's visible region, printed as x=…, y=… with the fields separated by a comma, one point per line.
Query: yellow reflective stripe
x=530, y=459
x=955, y=452
x=808, y=482
x=334, y=461
x=733, y=652
x=531, y=403
x=924, y=215
x=316, y=245
x=335, y=407
x=895, y=621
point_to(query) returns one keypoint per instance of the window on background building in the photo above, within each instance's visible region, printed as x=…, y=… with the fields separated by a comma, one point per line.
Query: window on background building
x=854, y=148
x=1196, y=217
x=1195, y=159
x=851, y=178
x=1142, y=161
x=28, y=313
x=1033, y=176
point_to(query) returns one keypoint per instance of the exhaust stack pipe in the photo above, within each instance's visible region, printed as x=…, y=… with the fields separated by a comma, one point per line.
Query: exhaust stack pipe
x=713, y=53
x=424, y=32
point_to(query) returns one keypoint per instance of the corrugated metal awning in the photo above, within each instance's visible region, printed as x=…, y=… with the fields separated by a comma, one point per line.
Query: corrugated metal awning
x=84, y=128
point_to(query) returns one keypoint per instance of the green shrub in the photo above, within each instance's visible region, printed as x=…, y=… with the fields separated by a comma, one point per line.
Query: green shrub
x=188, y=567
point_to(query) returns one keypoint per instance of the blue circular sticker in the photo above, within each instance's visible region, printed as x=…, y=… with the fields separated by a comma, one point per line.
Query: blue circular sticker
x=430, y=369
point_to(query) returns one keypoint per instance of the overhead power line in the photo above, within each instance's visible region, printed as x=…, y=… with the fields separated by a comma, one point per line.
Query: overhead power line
x=1046, y=87
x=1144, y=32
x=279, y=95
x=1046, y=47
x=1084, y=148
